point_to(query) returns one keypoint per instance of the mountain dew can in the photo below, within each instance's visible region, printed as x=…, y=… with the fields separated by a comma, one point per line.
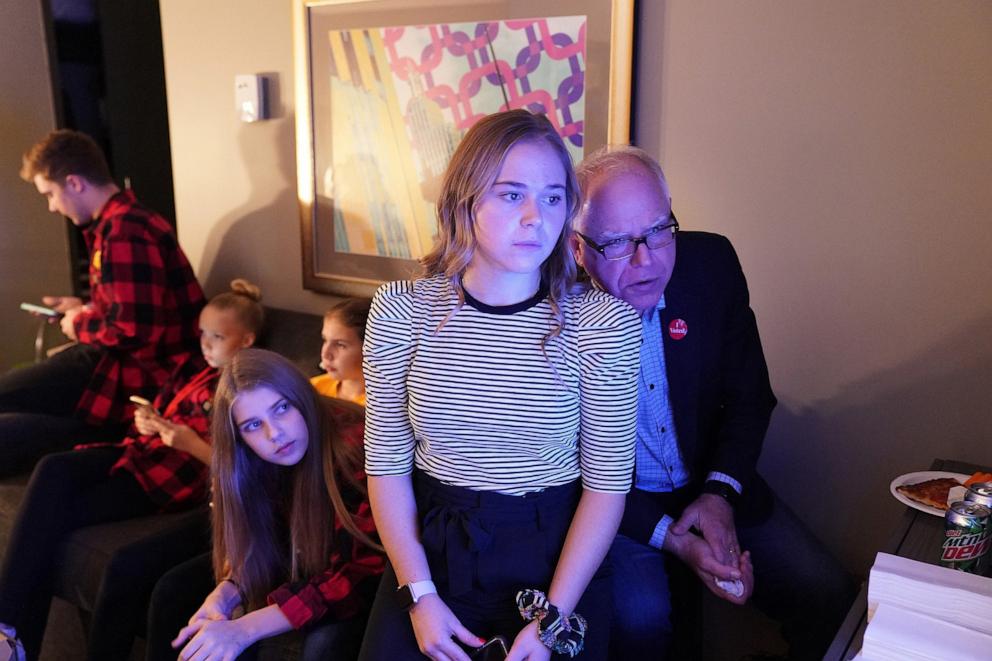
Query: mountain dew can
x=966, y=537
x=981, y=493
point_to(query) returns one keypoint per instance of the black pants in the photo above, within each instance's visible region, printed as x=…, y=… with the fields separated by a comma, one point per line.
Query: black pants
x=482, y=548
x=182, y=590
x=67, y=491
x=797, y=582
x=38, y=404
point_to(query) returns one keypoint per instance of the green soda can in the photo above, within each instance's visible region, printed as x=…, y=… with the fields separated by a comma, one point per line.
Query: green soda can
x=966, y=537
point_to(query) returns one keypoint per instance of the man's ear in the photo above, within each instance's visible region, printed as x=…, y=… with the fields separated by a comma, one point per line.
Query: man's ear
x=578, y=247
x=75, y=183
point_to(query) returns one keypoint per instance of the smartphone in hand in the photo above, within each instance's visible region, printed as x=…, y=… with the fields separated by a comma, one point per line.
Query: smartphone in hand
x=141, y=401
x=494, y=649
x=40, y=309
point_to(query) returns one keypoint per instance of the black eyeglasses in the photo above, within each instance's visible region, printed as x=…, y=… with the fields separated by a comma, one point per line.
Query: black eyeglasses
x=654, y=238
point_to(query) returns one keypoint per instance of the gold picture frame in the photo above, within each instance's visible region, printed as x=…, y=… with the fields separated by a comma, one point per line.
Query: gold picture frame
x=385, y=88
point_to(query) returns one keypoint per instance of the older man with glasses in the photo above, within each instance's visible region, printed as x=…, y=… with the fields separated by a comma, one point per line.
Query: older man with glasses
x=703, y=409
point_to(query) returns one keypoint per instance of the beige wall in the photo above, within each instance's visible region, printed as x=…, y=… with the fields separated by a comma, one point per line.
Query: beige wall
x=33, y=245
x=235, y=183
x=845, y=148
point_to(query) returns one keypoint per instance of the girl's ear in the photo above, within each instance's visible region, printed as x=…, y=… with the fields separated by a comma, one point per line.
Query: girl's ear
x=247, y=340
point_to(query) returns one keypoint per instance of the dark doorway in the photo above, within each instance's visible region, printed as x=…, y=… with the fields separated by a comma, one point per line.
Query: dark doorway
x=108, y=76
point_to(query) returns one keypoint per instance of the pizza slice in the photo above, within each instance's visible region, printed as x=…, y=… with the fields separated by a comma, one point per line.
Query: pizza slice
x=932, y=492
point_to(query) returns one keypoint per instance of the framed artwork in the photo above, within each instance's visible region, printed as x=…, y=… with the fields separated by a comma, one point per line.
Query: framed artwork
x=385, y=89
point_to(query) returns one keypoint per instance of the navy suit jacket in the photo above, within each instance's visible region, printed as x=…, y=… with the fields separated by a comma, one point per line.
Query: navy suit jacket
x=717, y=378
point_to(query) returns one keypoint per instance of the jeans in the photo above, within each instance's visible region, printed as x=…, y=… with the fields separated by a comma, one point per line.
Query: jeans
x=797, y=582
x=67, y=491
x=37, y=408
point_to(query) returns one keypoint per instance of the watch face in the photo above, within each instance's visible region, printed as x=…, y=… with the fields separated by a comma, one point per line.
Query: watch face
x=404, y=597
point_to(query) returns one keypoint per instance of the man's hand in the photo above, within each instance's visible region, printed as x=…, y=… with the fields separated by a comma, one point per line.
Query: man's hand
x=62, y=303
x=695, y=552
x=67, y=322
x=435, y=626
x=713, y=517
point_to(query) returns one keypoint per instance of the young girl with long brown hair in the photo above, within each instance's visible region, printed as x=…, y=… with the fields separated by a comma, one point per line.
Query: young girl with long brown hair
x=294, y=541
x=501, y=416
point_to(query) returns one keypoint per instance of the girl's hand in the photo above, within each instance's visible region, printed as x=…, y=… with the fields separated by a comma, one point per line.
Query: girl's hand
x=214, y=640
x=527, y=646
x=434, y=625
x=146, y=421
x=218, y=605
x=180, y=437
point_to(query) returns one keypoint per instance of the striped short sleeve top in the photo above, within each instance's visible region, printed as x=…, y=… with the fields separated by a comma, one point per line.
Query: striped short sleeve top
x=478, y=404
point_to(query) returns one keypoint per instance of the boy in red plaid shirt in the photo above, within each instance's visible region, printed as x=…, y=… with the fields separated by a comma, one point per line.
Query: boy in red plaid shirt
x=139, y=325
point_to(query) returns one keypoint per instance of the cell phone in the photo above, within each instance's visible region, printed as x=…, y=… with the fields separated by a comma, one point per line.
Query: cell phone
x=40, y=309
x=141, y=401
x=494, y=649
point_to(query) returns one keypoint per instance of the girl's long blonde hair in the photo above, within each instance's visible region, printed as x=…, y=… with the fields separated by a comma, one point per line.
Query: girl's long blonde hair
x=274, y=523
x=471, y=172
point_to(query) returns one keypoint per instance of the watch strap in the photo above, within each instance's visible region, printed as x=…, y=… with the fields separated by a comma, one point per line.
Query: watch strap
x=409, y=594
x=722, y=489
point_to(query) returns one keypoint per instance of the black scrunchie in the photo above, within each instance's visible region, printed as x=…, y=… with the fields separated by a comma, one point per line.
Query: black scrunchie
x=559, y=633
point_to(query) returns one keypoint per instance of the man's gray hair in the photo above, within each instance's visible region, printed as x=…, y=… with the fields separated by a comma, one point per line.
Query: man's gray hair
x=614, y=159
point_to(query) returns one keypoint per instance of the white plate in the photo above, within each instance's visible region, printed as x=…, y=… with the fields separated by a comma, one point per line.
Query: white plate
x=916, y=478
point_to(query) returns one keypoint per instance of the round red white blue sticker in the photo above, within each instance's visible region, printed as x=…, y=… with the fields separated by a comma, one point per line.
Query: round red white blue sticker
x=677, y=329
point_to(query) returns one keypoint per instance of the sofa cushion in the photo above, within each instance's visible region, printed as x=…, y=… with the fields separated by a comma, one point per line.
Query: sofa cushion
x=132, y=553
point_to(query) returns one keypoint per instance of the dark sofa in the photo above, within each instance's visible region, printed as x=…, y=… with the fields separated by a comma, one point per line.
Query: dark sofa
x=93, y=553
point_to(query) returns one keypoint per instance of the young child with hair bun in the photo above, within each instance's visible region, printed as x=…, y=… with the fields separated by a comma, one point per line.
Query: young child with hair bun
x=161, y=466
x=341, y=353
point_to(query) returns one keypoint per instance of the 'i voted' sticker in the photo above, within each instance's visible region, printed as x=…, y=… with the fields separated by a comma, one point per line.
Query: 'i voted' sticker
x=677, y=329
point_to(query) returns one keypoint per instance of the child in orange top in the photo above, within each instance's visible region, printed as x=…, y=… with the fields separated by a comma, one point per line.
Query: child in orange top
x=341, y=353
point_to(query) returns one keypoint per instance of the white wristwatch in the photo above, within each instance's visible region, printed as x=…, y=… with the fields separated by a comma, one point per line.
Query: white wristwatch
x=408, y=595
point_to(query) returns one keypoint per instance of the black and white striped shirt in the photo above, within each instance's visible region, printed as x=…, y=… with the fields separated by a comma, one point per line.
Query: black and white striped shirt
x=478, y=405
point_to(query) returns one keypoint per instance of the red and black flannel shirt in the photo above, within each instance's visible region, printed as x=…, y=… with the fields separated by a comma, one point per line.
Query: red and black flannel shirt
x=342, y=590
x=174, y=480
x=144, y=309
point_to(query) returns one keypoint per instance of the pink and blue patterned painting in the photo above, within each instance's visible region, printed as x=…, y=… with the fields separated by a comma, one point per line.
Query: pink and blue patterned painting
x=402, y=97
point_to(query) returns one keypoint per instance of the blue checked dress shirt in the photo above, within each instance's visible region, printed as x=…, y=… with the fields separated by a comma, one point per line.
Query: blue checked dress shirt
x=659, y=466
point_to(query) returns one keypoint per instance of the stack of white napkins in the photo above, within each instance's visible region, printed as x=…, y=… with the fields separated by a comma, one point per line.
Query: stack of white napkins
x=922, y=611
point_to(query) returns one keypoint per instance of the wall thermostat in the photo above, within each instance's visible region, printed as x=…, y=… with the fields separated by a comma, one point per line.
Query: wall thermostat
x=250, y=97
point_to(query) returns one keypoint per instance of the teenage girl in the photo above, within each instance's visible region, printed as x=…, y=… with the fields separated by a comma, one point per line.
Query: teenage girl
x=500, y=418
x=294, y=541
x=341, y=353
x=162, y=466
